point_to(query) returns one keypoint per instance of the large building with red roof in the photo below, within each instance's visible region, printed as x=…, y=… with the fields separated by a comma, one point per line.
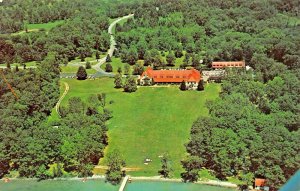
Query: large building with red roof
x=150, y=76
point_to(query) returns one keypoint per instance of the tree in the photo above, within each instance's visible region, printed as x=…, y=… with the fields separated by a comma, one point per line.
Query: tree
x=192, y=165
x=186, y=59
x=190, y=47
x=196, y=60
x=147, y=59
x=165, y=166
x=130, y=85
x=178, y=51
x=248, y=178
x=4, y=160
x=182, y=86
x=108, y=59
x=200, y=85
x=274, y=88
x=126, y=69
x=137, y=69
x=88, y=65
x=108, y=67
x=171, y=59
x=141, y=49
x=81, y=73
x=119, y=70
x=102, y=99
x=97, y=55
x=132, y=56
x=118, y=81
x=115, y=163
x=7, y=52
x=82, y=54
x=76, y=105
x=266, y=68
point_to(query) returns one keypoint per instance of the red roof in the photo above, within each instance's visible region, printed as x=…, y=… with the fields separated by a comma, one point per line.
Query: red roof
x=228, y=64
x=172, y=76
x=260, y=182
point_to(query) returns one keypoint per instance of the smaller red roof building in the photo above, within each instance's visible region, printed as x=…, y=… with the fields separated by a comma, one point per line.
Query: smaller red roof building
x=237, y=64
x=172, y=76
x=260, y=182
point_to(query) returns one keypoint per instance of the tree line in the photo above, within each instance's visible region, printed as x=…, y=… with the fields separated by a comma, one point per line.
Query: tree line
x=20, y=119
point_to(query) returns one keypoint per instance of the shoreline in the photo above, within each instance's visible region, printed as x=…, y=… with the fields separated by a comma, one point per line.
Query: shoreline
x=208, y=182
x=94, y=177
x=136, y=178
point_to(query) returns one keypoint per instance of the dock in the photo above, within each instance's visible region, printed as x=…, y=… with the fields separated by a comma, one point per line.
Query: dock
x=124, y=182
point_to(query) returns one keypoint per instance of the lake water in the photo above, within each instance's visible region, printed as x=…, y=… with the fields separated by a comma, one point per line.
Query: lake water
x=57, y=185
x=171, y=186
x=100, y=185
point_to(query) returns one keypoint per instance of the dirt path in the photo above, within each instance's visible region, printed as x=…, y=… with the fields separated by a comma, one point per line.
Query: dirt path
x=67, y=87
x=127, y=169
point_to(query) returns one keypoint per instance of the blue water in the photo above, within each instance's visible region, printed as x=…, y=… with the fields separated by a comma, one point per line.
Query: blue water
x=100, y=185
x=57, y=185
x=171, y=186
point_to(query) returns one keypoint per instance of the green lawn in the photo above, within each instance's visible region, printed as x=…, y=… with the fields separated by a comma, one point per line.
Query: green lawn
x=74, y=69
x=46, y=26
x=28, y=64
x=92, y=59
x=116, y=63
x=36, y=27
x=149, y=122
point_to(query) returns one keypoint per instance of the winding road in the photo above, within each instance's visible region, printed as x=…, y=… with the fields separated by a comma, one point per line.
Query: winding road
x=97, y=67
x=112, y=45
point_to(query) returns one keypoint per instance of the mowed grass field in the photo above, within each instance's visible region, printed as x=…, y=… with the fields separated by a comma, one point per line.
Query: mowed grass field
x=36, y=27
x=149, y=122
x=74, y=69
x=46, y=26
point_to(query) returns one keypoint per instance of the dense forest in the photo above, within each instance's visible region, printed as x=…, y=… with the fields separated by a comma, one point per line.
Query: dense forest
x=34, y=147
x=81, y=35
